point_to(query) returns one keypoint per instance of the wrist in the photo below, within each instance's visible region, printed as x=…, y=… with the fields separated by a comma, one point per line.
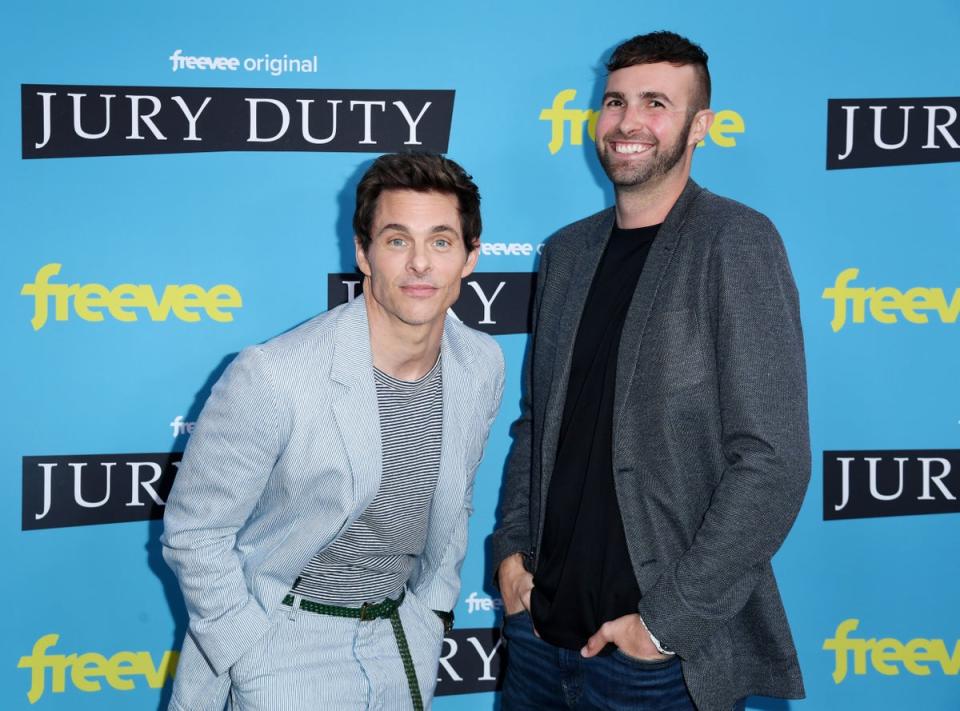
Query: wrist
x=653, y=639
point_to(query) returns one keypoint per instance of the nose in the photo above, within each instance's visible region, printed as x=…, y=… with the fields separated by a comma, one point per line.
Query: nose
x=631, y=120
x=419, y=262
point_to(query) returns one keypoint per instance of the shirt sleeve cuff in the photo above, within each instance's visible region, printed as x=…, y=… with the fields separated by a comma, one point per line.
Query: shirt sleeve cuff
x=656, y=642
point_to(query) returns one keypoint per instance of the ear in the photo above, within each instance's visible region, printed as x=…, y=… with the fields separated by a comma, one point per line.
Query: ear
x=471, y=262
x=700, y=126
x=362, y=260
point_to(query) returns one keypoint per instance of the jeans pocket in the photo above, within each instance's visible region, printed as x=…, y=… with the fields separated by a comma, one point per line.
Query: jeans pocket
x=650, y=664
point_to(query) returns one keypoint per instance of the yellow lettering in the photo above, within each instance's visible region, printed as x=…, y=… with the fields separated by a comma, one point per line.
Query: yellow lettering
x=122, y=298
x=950, y=664
x=122, y=664
x=885, y=650
x=86, y=668
x=726, y=122
x=917, y=650
x=948, y=313
x=187, y=301
x=148, y=298
x=157, y=677
x=220, y=297
x=91, y=296
x=87, y=665
x=884, y=299
x=914, y=299
x=190, y=296
x=61, y=311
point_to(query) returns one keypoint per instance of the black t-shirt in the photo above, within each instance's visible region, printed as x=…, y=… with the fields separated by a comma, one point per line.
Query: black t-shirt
x=584, y=576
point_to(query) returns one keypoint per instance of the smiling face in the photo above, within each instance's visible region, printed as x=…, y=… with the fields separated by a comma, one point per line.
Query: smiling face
x=647, y=128
x=415, y=260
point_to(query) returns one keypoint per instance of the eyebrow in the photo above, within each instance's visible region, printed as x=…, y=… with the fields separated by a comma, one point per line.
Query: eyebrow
x=659, y=95
x=397, y=227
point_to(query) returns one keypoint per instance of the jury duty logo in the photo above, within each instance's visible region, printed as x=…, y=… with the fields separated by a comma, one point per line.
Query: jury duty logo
x=90, y=489
x=67, y=121
x=869, y=133
x=725, y=124
x=867, y=484
x=494, y=302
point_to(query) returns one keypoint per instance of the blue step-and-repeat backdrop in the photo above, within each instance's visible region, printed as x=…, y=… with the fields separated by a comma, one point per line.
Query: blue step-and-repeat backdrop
x=177, y=182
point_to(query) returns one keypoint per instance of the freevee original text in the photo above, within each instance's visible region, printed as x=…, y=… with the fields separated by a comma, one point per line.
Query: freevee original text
x=69, y=121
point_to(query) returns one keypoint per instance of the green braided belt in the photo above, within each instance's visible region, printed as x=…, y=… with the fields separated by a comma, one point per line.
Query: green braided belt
x=388, y=609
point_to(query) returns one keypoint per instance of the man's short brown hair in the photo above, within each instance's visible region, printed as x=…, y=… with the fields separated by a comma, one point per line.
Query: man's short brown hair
x=421, y=171
x=667, y=47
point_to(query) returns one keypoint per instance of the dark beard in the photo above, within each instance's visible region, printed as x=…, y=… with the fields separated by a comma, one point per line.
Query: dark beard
x=627, y=177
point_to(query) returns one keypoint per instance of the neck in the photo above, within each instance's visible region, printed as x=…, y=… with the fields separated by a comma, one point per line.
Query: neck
x=649, y=203
x=401, y=350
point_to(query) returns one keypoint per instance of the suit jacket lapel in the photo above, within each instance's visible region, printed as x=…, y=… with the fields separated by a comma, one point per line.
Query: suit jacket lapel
x=574, y=298
x=644, y=295
x=459, y=403
x=355, y=408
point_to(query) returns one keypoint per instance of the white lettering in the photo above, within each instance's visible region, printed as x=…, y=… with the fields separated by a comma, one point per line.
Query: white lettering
x=254, y=134
x=367, y=121
x=411, y=122
x=146, y=118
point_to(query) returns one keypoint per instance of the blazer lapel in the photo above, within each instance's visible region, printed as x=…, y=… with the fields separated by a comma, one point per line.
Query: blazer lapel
x=644, y=295
x=459, y=403
x=355, y=409
x=575, y=297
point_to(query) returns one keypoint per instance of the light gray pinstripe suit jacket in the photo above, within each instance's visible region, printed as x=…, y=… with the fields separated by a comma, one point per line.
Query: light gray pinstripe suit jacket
x=286, y=455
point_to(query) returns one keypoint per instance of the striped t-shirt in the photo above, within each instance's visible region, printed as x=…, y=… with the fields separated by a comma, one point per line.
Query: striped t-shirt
x=374, y=557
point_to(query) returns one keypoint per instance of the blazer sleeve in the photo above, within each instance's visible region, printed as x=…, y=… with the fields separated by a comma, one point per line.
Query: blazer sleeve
x=512, y=534
x=765, y=440
x=224, y=470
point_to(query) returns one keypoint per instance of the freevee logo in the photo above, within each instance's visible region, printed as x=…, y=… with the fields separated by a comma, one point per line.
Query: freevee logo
x=890, y=483
x=725, y=123
x=470, y=662
x=868, y=133
x=919, y=657
x=477, y=603
x=186, y=301
x=495, y=302
x=89, y=489
x=88, y=671
x=886, y=301
x=68, y=121
x=510, y=249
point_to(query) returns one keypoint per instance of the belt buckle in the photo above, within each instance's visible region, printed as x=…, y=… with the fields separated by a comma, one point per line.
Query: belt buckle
x=364, y=611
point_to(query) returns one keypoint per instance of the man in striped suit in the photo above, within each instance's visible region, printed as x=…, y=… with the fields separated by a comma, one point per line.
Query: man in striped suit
x=319, y=519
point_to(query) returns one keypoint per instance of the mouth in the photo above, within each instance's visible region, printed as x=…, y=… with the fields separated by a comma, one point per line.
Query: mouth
x=629, y=148
x=419, y=291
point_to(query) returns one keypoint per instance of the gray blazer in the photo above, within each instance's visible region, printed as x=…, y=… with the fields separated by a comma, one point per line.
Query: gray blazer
x=286, y=455
x=711, y=449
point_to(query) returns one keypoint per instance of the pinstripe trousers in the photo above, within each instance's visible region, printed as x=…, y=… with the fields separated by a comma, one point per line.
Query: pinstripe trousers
x=318, y=662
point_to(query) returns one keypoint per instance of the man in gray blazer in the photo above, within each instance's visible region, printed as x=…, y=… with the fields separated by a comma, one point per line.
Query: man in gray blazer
x=662, y=450
x=319, y=518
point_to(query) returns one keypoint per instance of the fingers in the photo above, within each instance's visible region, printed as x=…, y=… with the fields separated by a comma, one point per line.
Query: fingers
x=597, y=642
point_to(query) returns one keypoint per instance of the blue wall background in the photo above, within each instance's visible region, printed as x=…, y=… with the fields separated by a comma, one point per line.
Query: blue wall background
x=274, y=224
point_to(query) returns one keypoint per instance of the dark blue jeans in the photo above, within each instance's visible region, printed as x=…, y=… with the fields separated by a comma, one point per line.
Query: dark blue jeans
x=542, y=677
